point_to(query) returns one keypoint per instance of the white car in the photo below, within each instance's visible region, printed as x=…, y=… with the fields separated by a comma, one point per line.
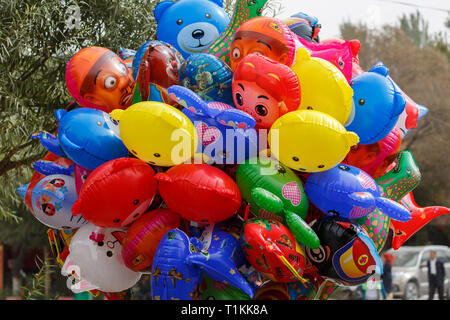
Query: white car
x=410, y=274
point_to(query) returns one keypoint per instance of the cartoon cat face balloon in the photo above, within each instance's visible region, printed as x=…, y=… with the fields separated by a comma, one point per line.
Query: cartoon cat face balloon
x=95, y=261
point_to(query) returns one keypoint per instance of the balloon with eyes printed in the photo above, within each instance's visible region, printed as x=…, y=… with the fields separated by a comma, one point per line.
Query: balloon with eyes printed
x=116, y=193
x=265, y=89
x=86, y=136
x=310, y=141
x=51, y=199
x=98, y=78
x=95, y=262
x=348, y=192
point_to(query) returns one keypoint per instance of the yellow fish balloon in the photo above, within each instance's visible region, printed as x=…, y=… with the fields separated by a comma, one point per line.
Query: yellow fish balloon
x=310, y=141
x=157, y=133
x=323, y=86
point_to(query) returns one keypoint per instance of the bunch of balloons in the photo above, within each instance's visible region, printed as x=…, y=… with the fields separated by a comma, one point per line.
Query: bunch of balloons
x=245, y=159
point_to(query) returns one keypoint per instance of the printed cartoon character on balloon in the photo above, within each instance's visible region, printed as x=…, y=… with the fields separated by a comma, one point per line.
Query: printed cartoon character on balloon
x=265, y=89
x=98, y=78
x=155, y=68
x=208, y=76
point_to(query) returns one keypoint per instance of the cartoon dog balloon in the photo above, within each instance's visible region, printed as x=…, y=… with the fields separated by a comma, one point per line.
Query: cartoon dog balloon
x=98, y=264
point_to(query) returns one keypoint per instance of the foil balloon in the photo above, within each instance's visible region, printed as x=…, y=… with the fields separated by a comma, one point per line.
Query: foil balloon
x=310, y=141
x=217, y=290
x=348, y=192
x=98, y=78
x=304, y=26
x=226, y=135
x=98, y=265
x=244, y=10
x=89, y=137
x=143, y=236
x=116, y=193
x=346, y=254
x=155, y=68
x=51, y=201
x=190, y=26
x=265, y=89
x=377, y=105
x=273, y=250
x=395, y=184
x=208, y=76
x=420, y=216
x=402, y=179
x=268, y=36
x=179, y=263
x=274, y=192
x=199, y=192
x=220, y=260
x=323, y=87
x=341, y=53
x=285, y=291
x=157, y=133
x=375, y=158
x=172, y=278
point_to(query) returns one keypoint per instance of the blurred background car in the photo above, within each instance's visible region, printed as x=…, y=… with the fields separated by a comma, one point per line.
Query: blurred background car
x=409, y=271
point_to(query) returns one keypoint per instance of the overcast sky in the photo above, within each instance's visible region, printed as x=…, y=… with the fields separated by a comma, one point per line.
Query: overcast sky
x=331, y=13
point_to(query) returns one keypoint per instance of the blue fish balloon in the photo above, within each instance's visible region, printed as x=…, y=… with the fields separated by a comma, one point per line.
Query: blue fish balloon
x=377, y=105
x=348, y=192
x=89, y=137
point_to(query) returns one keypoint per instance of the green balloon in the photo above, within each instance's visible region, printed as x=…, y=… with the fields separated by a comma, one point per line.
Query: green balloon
x=275, y=192
x=216, y=290
x=276, y=178
x=403, y=178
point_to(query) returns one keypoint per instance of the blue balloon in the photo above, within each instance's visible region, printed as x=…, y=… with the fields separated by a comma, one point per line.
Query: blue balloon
x=179, y=262
x=226, y=134
x=191, y=26
x=377, y=105
x=208, y=76
x=89, y=137
x=49, y=142
x=348, y=192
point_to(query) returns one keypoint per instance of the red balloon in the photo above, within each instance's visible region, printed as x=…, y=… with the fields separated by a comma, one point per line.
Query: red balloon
x=419, y=218
x=199, y=192
x=144, y=235
x=116, y=193
x=273, y=250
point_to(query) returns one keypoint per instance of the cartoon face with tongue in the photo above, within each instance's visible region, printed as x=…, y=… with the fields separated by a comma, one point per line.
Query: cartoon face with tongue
x=348, y=192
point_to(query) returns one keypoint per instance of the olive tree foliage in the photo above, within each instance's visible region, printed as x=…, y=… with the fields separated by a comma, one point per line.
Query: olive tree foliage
x=37, y=39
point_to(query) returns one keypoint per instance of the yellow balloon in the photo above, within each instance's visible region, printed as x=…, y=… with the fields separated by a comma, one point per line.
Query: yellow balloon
x=323, y=87
x=310, y=141
x=157, y=133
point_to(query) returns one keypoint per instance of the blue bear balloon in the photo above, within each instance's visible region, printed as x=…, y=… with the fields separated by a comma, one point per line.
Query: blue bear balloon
x=179, y=262
x=226, y=134
x=348, y=192
x=208, y=76
x=377, y=105
x=190, y=25
x=89, y=137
